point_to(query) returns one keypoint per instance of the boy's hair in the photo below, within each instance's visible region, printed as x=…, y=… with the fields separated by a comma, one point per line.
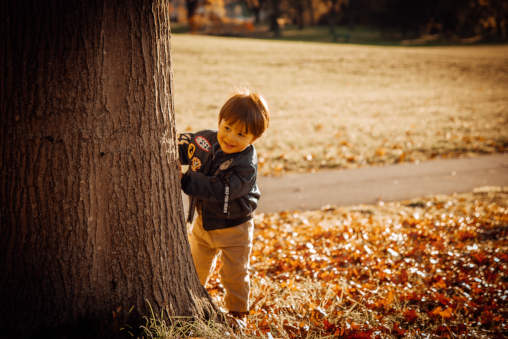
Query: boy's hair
x=250, y=109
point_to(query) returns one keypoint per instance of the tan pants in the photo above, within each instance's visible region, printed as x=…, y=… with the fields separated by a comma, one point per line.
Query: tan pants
x=234, y=246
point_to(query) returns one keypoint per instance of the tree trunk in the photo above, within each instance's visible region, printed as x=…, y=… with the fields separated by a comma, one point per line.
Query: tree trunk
x=300, y=13
x=332, y=17
x=90, y=205
x=274, y=7
x=256, y=11
x=191, y=7
x=352, y=5
x=310, y=4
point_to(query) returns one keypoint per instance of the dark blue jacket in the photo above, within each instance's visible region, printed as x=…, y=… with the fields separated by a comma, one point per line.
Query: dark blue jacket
x=224, y=183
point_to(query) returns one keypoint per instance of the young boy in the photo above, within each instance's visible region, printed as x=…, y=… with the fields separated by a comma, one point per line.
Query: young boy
x=221, y=184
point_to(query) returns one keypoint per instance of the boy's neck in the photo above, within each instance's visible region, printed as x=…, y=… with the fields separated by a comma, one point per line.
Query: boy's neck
x=216, y=150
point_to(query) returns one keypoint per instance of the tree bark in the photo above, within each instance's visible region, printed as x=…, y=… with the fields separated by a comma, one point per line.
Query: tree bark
x=90, y=205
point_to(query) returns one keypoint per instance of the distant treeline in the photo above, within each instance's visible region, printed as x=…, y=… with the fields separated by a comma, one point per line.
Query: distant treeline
x=405, y=19
x=415, y=18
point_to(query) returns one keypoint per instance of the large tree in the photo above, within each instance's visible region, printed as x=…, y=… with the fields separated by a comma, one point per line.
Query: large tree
x=90, y=205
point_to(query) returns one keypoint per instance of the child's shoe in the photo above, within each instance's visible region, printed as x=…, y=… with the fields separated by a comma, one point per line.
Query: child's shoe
x=237, y=319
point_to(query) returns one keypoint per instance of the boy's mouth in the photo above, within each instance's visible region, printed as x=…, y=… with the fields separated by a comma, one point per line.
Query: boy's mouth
x=228, y=145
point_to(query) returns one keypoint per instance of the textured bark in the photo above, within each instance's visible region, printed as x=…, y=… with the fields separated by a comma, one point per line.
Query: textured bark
x=90, y=206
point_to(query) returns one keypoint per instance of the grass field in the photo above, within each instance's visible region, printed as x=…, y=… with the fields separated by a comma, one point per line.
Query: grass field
x=346, y=106
x=361, y=35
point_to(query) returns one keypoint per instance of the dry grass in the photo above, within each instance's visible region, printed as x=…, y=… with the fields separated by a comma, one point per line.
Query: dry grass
x=345, y=106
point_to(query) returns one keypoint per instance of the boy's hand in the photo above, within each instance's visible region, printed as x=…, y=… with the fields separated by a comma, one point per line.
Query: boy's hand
x=180, y=169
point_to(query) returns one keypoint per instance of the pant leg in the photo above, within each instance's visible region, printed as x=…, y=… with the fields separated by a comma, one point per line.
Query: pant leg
x=203, y=252
x=236, y=246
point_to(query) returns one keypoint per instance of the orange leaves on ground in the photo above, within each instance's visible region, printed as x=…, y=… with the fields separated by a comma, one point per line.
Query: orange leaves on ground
x=389, y=299
x=393, y=270
x=439, y=311
x=380, y=152
x=410, y=315
x=400, y=332
x=446, y=313
x=442, y=299
x=465, y=235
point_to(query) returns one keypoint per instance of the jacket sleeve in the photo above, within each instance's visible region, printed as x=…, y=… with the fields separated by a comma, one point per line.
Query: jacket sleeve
x=184, y=140
x=212, y=188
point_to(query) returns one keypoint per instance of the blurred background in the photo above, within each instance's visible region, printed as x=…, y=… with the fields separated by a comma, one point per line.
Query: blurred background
x=359, y=21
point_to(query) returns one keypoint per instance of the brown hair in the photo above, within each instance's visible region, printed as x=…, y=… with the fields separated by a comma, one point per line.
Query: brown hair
x=250, y=109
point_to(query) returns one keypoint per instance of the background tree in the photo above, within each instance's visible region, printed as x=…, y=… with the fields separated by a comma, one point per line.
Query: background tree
x=299, y=11
x=191, y=8
x=310, y=6
x=274, y=13
x=448, y=18
x=333, y=15
x=255, y=6
x=351, y=12
x=90, y=204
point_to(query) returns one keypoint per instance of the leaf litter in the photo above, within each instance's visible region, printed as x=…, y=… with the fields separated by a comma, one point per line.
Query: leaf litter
x=431, y=267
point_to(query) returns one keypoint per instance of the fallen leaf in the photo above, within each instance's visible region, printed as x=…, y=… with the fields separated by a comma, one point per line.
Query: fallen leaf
x=446, y=313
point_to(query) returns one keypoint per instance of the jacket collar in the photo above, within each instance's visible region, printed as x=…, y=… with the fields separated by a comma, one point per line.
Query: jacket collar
x=217, y=151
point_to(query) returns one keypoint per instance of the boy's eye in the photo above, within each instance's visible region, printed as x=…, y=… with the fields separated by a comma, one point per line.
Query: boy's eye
x=227, y=128
x=241, y=134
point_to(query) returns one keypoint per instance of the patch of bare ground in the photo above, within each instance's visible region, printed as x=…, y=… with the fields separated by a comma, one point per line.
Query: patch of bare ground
x=347, y=106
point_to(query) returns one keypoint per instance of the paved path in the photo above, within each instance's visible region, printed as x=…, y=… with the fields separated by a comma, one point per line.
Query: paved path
x=388, y=183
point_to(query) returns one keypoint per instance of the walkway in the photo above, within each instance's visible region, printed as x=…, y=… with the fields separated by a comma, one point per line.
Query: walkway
x=387, y=183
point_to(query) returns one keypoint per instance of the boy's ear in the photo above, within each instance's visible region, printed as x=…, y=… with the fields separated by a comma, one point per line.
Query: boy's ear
x=253, y=139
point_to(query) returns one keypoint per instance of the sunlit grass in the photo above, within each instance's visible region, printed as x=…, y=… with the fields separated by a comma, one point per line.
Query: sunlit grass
x=348, y=106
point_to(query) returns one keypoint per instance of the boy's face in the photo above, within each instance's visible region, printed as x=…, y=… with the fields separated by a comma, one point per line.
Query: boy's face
x=233, y=138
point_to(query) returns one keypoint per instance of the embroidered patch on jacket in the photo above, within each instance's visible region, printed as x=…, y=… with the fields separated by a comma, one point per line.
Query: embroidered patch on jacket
x=226, y=200
x=183, y=139
x=203, y=144
x=195, y=164
x=192, y=149
x=225, y=165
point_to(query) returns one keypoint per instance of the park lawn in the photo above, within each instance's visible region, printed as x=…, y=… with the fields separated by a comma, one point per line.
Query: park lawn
x=361, y=35
x=348, y=106
x=431, y=267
